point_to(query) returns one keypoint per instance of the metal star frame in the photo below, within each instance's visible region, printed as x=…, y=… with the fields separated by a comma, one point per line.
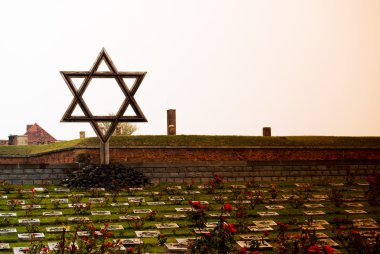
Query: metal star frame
x=112, y=73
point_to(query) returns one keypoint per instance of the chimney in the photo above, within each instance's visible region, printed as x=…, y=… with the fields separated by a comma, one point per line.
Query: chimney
x=267, y=132
x=171, y=122
x=82, y=134
x=28, y=127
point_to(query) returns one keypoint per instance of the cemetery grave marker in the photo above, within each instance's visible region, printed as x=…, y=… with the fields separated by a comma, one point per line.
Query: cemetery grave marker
x=155, y=203
x=30, y=236
x=314, y=212
x=120, y=204
x=175, y=216
x=96, y=200
x=262, y=244
x=201, y=231
x=16, y=201
x=5, y=246
x=8, y=214
x=313, y=206
x=260, y=228
x=175, y=247
x=131, y=241
x=4, y=231
x=77, y=219
x=100, y=213
x=267, y=214
x=29, y=221
x=147, y=234
x=355, y=211
x=130, y=217
x=253, y=237
x=142, y=211
x=263, y=223
x=57, y=229
x=60, y=200
x=62, y=190
x=273, y=207
x=24, y=207
x=318, y=222
x=211, y=224
x=114, y=227
x=167, y=225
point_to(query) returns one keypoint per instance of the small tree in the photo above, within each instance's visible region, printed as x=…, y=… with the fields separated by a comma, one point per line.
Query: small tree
x=122, y=129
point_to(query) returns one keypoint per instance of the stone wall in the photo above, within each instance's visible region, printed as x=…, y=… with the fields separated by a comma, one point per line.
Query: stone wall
x=178, y=172
x=35, y=173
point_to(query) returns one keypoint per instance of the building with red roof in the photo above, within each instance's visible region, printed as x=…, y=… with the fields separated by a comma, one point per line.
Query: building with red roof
x=34, y=135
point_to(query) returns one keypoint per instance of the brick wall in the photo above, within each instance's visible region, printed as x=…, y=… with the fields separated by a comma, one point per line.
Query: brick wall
x=188, y=154
x=185, y=163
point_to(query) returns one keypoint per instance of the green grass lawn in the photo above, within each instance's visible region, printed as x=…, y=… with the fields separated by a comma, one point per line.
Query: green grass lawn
x=291, y=214
x=198, y=140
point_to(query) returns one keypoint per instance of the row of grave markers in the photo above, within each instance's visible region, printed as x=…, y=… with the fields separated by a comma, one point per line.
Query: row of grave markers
x=181, y=244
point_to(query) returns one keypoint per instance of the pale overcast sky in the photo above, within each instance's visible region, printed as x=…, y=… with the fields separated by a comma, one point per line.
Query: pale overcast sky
x=227, y=67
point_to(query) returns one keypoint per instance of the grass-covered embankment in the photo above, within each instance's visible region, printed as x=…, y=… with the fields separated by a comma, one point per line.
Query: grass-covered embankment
x=197, y=140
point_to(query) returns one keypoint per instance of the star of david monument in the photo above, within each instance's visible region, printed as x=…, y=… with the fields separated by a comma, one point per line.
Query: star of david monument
x=96, y=120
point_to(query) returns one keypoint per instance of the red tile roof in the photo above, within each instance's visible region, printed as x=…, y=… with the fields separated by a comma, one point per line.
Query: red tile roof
x=37, y=135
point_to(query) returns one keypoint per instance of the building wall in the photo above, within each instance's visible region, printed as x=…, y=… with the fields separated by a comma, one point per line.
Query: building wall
x=18, y=140
x=3, y=142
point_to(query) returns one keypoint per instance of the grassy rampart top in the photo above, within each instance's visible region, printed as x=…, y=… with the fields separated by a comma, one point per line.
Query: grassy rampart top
x=199, y=141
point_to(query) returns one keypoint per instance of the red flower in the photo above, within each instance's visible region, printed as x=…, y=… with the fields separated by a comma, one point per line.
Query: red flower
x=130, y=250
x=91, y=227
x=371, y=179
x=328, y=249
x=342, y=227
x=196, y=204
x=208, y=234
x=283, y=226
x=217, y=178
x=313, y=249
x=230, y=228
x=353, y=233
x=227, y=207
x=243, y=251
